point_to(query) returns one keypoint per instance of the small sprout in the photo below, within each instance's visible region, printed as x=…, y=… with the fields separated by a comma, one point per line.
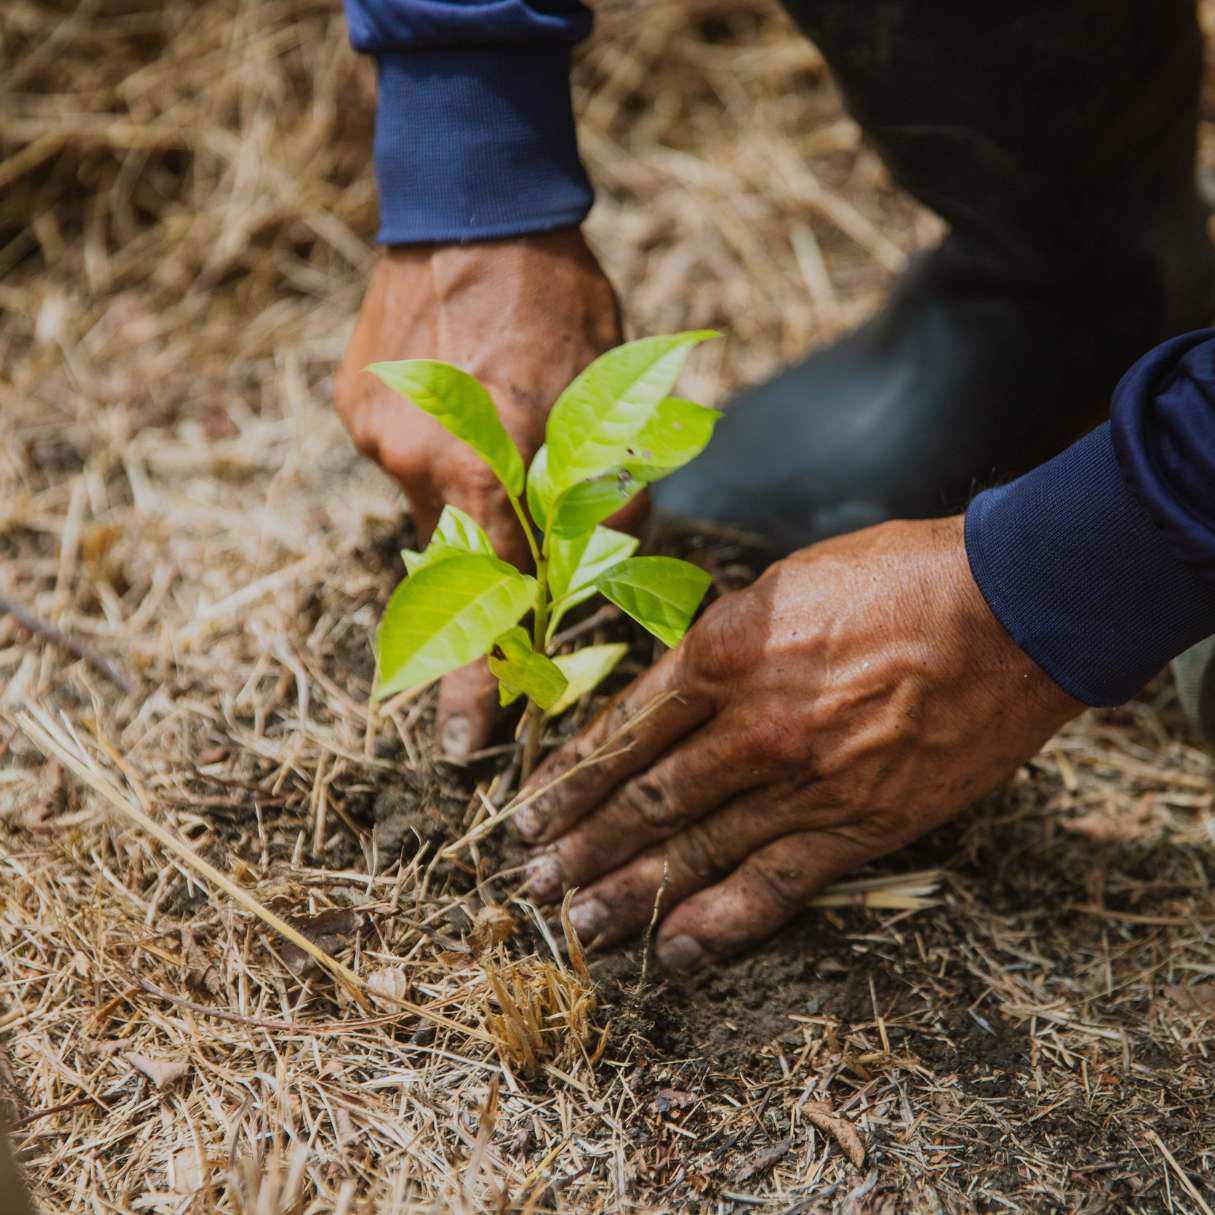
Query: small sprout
x=611, y=433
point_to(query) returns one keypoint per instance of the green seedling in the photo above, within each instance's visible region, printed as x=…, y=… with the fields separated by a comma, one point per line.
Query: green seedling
x=611, y=433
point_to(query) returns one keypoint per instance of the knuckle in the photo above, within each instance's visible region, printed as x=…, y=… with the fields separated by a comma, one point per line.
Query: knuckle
x=473, y=481
x=699, y=852
x=646, y=798
x=780, y=741
x=720, y=647
x=781, y=881
x=411, y=471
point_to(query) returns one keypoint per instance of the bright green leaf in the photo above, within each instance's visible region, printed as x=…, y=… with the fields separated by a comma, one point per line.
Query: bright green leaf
x=660, y=593
x=598, y=418
x=584, y=505
x=538, y=489
x=575, y=564
x=678, y=431
x=523, y=672
x=463, y=406
x=462, y=531
x=455, y=533
x=445, y=616
x=428, y=556
x=585, y=670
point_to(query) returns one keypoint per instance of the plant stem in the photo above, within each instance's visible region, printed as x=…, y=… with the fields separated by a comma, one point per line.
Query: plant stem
x=533, y=720
x=528, y=534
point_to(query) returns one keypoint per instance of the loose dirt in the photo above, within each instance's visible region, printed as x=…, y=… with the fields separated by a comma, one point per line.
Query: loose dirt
x=186, y=224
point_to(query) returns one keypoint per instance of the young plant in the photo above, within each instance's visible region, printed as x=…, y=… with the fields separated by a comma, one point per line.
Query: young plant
x=612, y=432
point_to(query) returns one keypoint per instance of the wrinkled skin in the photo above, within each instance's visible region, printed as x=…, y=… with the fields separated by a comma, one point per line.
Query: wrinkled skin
x=524, y=316
x=856, y=696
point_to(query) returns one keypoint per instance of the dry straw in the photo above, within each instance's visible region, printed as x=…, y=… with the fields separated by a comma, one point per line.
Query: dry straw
x=186, y=225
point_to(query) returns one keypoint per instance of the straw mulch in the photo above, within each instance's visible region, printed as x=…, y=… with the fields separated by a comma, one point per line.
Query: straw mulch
x=186, y=218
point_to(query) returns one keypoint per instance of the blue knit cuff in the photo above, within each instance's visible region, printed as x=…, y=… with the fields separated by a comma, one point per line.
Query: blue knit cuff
x=1082, y=579
x=1162, y=425
x=477, y=143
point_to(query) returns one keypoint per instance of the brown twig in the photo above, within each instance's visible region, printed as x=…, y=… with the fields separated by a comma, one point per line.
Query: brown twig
x=56, y=636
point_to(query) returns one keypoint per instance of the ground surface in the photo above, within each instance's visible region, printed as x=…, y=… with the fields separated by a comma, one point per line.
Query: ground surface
x=185, y=220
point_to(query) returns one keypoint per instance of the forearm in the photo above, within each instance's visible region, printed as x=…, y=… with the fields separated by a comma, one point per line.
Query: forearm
x=474, y=126
x=1101, y=563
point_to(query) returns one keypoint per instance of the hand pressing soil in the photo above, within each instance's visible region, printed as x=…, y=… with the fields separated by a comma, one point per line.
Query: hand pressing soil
x=856, y=696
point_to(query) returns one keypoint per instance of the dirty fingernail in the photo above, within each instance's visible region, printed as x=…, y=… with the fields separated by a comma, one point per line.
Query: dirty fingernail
x=530, y=821
x=681, y=953
x=456, y=738
x=589, y=918
x=544, y=875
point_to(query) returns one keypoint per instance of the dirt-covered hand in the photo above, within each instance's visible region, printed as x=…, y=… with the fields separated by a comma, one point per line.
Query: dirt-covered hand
x=857, y=695
x=524, y=316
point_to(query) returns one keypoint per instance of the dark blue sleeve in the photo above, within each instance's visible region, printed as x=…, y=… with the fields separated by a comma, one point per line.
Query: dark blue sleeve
x=1101, y=563
x=474, y=131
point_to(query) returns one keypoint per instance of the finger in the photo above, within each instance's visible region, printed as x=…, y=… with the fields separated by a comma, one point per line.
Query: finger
x=766, y=891
x=691, y=780
x=651, y=714
x=424, y=508
x=621, y=904
x=467, y=710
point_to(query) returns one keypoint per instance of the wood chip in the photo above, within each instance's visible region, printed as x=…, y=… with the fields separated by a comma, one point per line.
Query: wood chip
x=839, y=1128
x=162, y=1072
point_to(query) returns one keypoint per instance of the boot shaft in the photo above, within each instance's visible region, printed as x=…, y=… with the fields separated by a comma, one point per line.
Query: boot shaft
x=1055, y=137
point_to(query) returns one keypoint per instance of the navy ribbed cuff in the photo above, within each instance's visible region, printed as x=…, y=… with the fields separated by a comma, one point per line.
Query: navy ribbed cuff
x=477, y=143
x=1082, y=579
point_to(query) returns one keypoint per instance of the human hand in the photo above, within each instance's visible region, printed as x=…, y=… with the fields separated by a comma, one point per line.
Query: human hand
x=857, y=695
x=524, y=316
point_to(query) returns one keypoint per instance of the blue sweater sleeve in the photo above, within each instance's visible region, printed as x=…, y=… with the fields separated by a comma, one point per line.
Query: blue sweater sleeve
x=1100, y=564
x=474, y=122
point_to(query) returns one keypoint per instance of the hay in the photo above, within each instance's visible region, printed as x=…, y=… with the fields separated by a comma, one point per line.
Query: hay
x=186, y=219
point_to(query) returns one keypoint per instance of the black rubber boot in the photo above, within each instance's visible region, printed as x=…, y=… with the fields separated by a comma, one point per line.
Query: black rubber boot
x=1057, y=139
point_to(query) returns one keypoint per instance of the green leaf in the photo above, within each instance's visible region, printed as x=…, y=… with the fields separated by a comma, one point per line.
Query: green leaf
x=581, y=507
x=575, y=564
x=415, y=561
x=538, y=489
x=584, y=671
x=461, y=531
x=455, y=533
x=660, y=593
x=463, y=406
x=598, y=418
x=523, y=672
x=445, y=616
x=677, y=432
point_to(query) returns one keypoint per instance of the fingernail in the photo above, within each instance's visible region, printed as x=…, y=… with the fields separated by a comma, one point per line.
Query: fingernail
x=589, y=918
x=680, y=953
x=531, y=820
x=456, y=739
x=544, y=876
